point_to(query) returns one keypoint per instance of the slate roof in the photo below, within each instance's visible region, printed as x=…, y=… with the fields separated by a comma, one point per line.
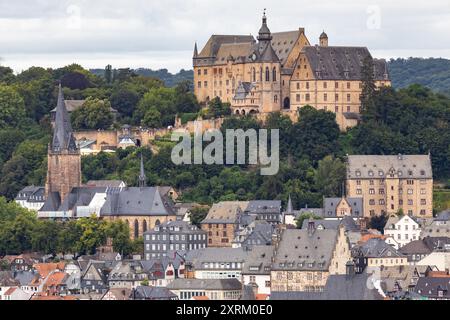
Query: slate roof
x=342, y=63
x=134, y=201
x=7, y=279
x=443, y=216
x=263, y=207
x=26, y=277
x=415, y=247
x=261, y=234
x=330, y=205
x=300, y=249
x=78, y=196
x=338, y=287
x=429, y=287
x=31, y=194
x=402, y=165
x=105, y=183
x=214, y=43
x=224, y=212
x=378, y=248
x=258, y=260
x=199, y=257
x=243, y=90
x=205, y=284
x=283, y=43
x=153, y=293
x=63, y=138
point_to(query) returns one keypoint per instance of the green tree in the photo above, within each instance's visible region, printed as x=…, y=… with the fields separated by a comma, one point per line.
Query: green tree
x=198, y=214
x=12, y=107
x=305, y=216
x=93, y=114
x=330, y=176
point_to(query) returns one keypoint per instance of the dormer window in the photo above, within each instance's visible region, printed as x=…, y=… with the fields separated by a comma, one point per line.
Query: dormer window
x=358, y=173
x=371, y=173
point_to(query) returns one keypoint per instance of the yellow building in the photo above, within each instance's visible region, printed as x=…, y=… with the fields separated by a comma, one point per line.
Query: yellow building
x=283, y=72
x=390, y=183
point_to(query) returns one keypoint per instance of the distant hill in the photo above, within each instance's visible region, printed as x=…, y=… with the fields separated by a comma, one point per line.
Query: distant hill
x=169, y=79
x=433, y=73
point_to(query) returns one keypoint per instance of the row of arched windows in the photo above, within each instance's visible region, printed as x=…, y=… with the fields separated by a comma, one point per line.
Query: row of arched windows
x=136, y=227
x=274, y=74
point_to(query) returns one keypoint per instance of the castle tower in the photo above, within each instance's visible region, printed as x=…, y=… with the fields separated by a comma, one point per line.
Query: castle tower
x=64, y=159
x=323, y=40
x=142, y=177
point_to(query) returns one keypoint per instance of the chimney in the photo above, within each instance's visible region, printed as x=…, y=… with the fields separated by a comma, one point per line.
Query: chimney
x=311, y=227
x=350, y=269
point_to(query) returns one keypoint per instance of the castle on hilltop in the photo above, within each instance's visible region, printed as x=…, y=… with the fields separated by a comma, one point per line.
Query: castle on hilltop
x=283, y=72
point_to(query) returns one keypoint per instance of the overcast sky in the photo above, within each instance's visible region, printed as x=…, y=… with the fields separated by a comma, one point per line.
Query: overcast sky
x=161, y=33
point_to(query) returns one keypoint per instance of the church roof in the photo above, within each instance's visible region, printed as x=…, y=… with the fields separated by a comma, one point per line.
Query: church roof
x=63, y=138
x=147, y=201
x=216, y=41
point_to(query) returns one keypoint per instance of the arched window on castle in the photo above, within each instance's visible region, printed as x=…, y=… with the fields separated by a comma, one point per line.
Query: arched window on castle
x=267, y=74
x=254, y=74
x=261, y=74
x=275, y=98
x=274, y=74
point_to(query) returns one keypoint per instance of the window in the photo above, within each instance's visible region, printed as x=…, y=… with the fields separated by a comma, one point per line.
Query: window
x=205, y=72
x=307, y=85
x=267, y=74
x=307, y=97
x=205, y=84
x=254, y=74
x=348, y=97
x=423, y=201
x=325, y=97
x=348, y=85
x=371, y=191
x=336, y=97
x=381, y=191
x=358, y=191
x=298, y=85
x=336, y=85
x=199, y=84
x=199, y=72
x=274, y=74
x=297, y=98
x=275, y=98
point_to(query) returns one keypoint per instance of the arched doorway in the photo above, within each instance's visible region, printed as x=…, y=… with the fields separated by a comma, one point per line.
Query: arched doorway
x=138, y=143
x=237, y=112
x=286, y=103
x=243, y=112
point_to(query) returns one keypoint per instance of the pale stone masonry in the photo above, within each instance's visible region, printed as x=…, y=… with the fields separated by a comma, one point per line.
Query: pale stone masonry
x=390, y=183
x=305, y=258
x=282, y=71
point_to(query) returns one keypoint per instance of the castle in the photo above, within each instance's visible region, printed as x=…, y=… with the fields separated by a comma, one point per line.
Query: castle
x=283, y=72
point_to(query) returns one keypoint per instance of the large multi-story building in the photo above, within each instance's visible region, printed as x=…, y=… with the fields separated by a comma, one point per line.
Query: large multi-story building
x=305, y=258
x=283, y=72
x=388, y=184
x=173, y=236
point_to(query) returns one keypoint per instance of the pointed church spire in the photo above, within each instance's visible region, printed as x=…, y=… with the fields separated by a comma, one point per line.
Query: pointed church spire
x=289, y=205
x=195, y=50
x=63, y=139
x=142, y=177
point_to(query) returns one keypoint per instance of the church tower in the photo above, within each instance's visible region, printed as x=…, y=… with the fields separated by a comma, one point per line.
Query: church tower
x=64, y=159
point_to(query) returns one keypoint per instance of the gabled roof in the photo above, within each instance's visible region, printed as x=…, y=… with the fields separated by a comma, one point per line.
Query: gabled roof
x=378, y=248
x=330, y=205
x=153, y=293
x=338, y=287
x=430, y=286
x=216, y=41
x=134, y=201
x=210, y=255
x=205, y=284
x=404, y=166
x=341, y=63
x=302, y=249
x=224, y=212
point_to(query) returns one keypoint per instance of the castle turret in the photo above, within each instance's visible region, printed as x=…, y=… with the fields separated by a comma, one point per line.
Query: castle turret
x=195, y=51
x=64, y=159
x=264, y=32
x=323, y=40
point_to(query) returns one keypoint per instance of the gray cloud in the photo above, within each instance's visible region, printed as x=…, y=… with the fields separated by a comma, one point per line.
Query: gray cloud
x=82, y=29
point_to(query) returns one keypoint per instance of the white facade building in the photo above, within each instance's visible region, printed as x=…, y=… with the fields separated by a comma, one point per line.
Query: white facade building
x=402, y=229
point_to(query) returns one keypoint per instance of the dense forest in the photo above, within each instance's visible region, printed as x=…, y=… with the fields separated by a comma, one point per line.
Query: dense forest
x=433, y=73
x=410, y=120
x=170, y=80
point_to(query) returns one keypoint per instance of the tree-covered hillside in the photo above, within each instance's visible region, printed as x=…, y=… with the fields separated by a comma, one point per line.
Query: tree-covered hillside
x=169, y=79
x=433, y=73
